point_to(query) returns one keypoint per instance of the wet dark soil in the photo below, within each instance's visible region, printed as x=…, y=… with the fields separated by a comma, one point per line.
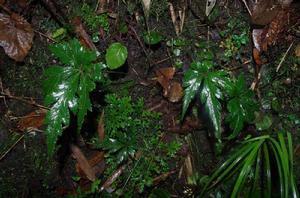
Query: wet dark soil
x=27, y=171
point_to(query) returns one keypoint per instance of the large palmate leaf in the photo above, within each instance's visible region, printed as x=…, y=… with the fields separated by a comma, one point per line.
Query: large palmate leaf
x=199, y=79
x=241, y=106
x=67, y=88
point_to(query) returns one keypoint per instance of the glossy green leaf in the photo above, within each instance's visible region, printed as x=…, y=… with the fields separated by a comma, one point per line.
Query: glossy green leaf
x=260, y=155
x=192, y=82
x=116, y=55
x=67, y=88
x=241, y=106
x=209, y=97
x=152, y=37
x=208, y=85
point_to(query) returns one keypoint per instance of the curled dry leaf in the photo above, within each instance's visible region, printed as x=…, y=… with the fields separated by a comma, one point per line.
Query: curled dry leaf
x=263, y=11
x=100, y=127
x=84, y=38
x=34, y=119
x=113, y=177
x=175, y=92
x=96, y=161
x=297, y=50
x=16, y=36
x=256, y=56
x=171, y=89
x=83, y=163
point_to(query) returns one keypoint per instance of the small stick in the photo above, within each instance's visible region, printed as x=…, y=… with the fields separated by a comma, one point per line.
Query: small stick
x=44, y=35
x=23, y=100
x=284, y=56
x=6, y=152
x=248, y=9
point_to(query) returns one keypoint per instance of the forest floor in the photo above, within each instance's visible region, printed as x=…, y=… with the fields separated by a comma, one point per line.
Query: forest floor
x=26, y=169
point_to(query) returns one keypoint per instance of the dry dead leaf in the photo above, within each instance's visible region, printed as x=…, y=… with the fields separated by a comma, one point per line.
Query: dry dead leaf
x=84, y=38
x=96, y=162
x=2, y=2
x=113, y=177
x=256, y=56
x=297, y=50
x=175, y=92
x=16, y=36
x=256, y=38
x=83, y=163
x=34, y=119
x=100, y=127
x=171, y=89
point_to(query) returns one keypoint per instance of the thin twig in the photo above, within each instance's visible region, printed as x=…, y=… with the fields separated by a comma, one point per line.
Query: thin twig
x=33, y=103
x=284, y=56
x=248, y=9
x=6, y=9
x=44, y=35
x=2, y=90
x=6, y=152
x=141, y=44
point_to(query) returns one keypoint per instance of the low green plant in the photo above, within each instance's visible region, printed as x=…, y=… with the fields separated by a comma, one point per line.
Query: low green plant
x=213, y=87
x=261, y=167
x=67, y=87
x=92, y=20
x=133, y=137
x=152, y=37
x=235, y=35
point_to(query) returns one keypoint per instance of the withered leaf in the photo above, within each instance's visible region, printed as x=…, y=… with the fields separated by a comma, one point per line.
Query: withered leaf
x=100, y=127
x=96, y=161
x=171, y=89
x=83, y=163
x=34, y=119
x=84, y=38
x=16, y=36
x=175, y=92
x=297, y=50
x=256, y=56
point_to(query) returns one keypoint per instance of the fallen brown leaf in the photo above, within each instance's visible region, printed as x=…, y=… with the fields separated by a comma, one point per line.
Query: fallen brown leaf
x=171, y=89
x=83, y=163
x=100, y=128
x=297, y=50
x=84, y=38
x=175, y=92
x=96, y=162
x=16, y=36
x=256, y=56
x=34, y=119
x=113, y=177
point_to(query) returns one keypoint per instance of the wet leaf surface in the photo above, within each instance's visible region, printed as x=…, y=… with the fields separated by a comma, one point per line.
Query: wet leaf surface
x=16, y=36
